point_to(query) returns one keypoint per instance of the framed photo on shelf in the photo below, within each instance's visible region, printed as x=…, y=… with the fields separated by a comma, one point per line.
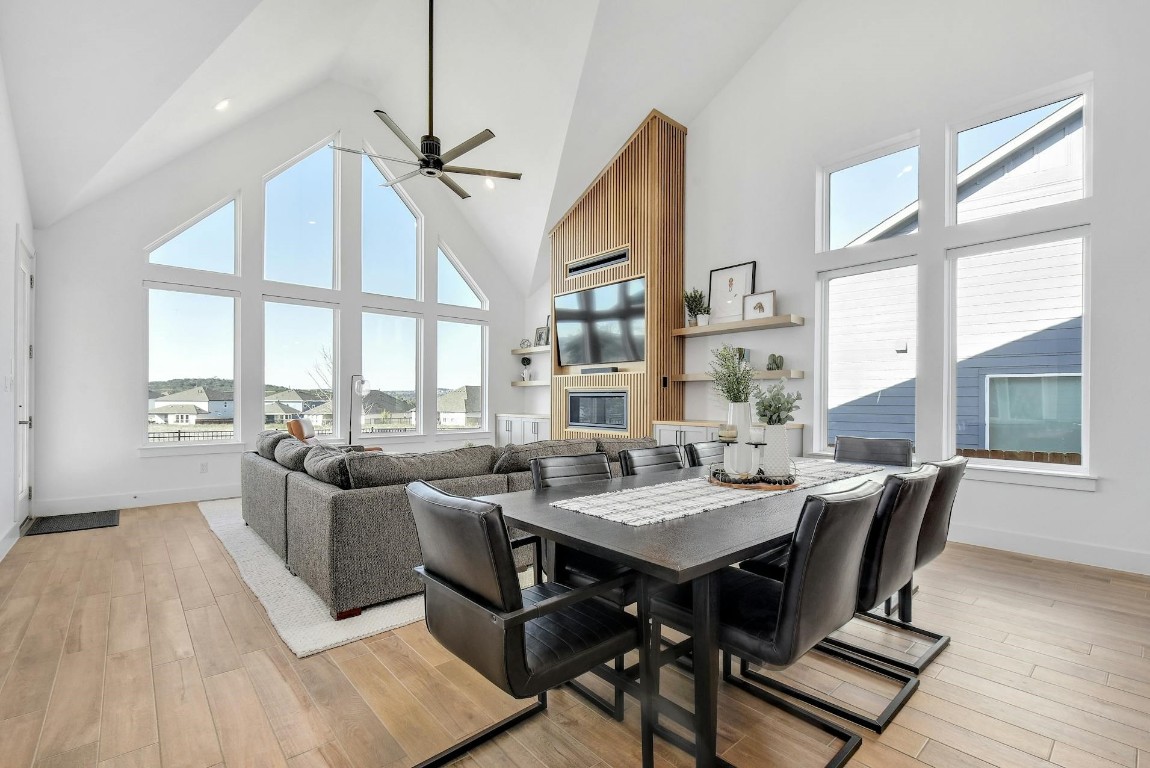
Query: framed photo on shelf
x=728, y=286
x=759, y=305
x=542, y=336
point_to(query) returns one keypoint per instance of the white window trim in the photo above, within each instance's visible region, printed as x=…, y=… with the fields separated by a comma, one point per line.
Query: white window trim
x=190, y=446
x=1078, y=86
x=951, y=357
x=823, y=184
x=419, y=433
x=337, y=414
x=182, y=228
x=485, y=421
x=484, y=306
x=821, y=418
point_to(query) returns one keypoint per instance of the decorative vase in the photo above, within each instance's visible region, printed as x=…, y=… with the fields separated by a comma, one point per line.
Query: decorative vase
x=742, y=459
x=703, y=319
x=691, y=321
x=775, y=461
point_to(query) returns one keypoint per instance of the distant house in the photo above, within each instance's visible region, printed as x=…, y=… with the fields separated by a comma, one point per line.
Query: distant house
x=383, y=409
x=277, y=412
x=300, y=399
x=208, y=405
x=461, y=407
x=320, y=415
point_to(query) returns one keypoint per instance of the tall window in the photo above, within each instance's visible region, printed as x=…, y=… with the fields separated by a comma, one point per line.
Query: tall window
x=191, y=366
x=299, y=222
x=1018, y=352
x=1028, y=160
x=454, y=288
x=461, y=351
x=299, y=365
x=871, y=353
x=874, y=200
x=209, y=244
x=391, y=364
x=390, y=239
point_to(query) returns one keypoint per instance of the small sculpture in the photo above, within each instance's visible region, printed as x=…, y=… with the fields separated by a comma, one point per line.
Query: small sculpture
x=524, y=343
x=526, y=363
x=775, y=363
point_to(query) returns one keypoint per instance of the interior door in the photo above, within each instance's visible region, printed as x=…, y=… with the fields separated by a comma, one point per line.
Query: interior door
x=25, y=313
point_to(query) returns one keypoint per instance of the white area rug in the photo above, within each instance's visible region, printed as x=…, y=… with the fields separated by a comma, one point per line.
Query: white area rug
x=300, y=617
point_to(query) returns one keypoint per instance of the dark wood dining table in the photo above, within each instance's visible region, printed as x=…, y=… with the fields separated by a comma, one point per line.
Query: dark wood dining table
x=692, y=549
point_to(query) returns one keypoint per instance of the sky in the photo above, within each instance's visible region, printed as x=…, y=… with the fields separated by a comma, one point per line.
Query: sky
x=299, y=227
x=866, y=194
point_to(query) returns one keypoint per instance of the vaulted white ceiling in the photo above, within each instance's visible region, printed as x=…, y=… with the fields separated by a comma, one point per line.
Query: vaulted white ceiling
x=104, y=93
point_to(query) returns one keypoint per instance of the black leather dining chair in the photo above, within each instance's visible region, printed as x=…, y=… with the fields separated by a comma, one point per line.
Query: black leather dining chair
x=774, y=623
x=702, y=454
x=574, y=568
x=895, y=452
x=642, y=461
x=887, y=564
x=524, y=640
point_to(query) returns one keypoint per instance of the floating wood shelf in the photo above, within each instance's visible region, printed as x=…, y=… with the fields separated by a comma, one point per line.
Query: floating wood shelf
x=786, y=373
x=531, y=350
x=531, y=383
x=762, y=323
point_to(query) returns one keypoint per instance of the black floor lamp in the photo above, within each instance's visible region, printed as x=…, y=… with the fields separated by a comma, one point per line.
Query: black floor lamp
x=360, y=387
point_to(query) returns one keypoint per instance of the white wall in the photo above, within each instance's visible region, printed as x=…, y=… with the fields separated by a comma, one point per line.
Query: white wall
x=91, y=311
x=15, y=221
x=839, y=77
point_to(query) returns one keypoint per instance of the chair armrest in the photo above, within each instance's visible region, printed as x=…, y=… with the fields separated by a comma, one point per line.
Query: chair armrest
x=524, y=541
x=513, y=619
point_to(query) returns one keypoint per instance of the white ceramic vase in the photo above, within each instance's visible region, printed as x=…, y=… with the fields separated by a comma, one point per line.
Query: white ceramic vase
x=703, y=319
x=774, y=459
x=743, y=457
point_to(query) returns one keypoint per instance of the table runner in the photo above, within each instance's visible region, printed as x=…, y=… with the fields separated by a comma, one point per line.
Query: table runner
x=681, y=498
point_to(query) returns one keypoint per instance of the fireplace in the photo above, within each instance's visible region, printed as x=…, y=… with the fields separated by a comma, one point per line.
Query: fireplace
x=597, y=410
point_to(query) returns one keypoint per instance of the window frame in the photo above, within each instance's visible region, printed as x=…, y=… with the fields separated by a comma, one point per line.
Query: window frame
x=821, y=417
x=823, y=184
x=950, y=428
x=484, y=305
x=336, y=400
x=1080, y=86
x=146, y=326
x=420, y=355
x=485, y=367
x=420, y=260
x=237, y=260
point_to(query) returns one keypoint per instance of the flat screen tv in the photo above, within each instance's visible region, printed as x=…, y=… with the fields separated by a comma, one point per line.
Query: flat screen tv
x=602, y=325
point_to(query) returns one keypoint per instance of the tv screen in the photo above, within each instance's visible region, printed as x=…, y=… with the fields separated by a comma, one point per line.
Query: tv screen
x=602, y=325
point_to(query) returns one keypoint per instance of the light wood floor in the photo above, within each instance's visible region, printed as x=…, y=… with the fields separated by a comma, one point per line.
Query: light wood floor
x=139, y=646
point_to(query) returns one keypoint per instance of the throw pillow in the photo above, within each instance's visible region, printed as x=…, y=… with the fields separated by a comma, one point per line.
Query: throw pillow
x=291, y=453
x=517, y=458
x=612, y=445
x=266, y=442
x=328, y=466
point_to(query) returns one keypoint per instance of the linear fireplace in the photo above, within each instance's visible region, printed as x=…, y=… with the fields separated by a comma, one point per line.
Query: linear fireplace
x=597, y=409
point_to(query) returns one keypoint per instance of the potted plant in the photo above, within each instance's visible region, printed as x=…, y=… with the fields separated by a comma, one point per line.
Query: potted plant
x=697, y=309
x=734, y=381
x=775, y=407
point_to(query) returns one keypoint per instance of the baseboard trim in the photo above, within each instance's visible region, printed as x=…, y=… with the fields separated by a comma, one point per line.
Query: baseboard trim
x=47, y=507
x=1114, y=558
x=9, y=540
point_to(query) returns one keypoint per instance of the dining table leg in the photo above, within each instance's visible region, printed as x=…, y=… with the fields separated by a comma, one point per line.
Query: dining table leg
x=706, y=665
x=648, y=672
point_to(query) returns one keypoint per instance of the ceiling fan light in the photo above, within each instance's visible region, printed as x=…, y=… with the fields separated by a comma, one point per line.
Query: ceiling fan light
x=222, y=105
x=489, y=182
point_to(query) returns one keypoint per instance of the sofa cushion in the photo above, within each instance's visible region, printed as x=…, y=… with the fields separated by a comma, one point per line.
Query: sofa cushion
x=612, y=445
x=291, y=453
x=517, y=458
x=519, y=481
x=328, y=465
x=266, y=442
x=372, y=469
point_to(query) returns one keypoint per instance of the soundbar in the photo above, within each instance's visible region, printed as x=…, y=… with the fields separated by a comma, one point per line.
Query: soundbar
x=605, y=369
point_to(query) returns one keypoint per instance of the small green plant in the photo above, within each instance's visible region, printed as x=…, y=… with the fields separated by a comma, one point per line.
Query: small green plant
x=696, y=303
x=775, y=405
x=733, y=375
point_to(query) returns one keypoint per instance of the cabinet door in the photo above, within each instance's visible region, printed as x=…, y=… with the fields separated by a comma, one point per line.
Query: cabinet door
x=536, y=430
x=688, y=435
x=519, y=431
x=666, y=434
x=503, y=429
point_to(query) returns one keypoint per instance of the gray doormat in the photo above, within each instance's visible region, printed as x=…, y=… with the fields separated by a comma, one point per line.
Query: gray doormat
x=82, y=522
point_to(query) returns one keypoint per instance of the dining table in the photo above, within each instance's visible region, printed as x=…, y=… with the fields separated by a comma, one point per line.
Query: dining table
x=692, y=549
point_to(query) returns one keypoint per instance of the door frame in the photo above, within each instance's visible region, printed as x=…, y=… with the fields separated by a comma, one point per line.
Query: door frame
x=24, y=306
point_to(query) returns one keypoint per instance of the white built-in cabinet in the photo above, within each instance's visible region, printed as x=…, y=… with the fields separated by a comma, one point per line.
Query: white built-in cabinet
x=687, y=432
x=520, y=428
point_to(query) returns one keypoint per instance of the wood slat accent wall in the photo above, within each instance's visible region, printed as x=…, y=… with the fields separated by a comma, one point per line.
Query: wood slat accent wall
x=636, y=202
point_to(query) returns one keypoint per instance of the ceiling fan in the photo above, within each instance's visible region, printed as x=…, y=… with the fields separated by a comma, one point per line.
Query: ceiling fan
x=430, y=158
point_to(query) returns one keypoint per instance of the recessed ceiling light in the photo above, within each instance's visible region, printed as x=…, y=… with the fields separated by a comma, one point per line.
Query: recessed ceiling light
x=222, y=104
x=490, y=182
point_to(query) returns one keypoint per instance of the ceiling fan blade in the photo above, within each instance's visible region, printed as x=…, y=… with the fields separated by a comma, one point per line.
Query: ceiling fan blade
x=482, y=172
x=404, y=177
x=377, y=157
x=455, y=187
x=399, y=132
x=467, y=146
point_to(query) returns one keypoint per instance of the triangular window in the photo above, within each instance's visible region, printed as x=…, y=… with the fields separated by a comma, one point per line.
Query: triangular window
x=455, y=287
x=208, y=244
x=390, y=238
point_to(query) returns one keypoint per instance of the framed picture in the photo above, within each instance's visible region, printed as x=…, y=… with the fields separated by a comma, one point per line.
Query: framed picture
x=542, y=336
x=759, y=305
x=728, y=287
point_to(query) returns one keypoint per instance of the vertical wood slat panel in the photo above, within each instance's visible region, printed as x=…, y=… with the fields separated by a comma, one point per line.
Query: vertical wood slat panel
x=636, y=202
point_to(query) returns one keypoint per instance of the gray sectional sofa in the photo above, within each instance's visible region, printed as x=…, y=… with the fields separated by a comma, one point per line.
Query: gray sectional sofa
x=340, y=518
